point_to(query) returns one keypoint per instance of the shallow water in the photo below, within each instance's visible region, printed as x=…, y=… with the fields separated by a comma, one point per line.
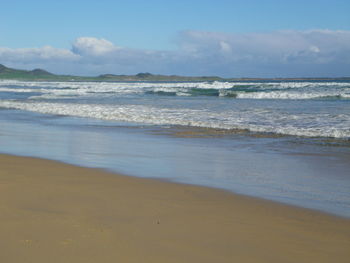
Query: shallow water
x=307, y=172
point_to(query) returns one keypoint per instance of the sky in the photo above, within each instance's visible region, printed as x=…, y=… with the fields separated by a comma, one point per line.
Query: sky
x=234, y=38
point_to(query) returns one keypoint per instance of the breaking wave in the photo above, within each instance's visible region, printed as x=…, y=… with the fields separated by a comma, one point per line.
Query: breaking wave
x=237, y=90
x=255, y=120
x=246, y=106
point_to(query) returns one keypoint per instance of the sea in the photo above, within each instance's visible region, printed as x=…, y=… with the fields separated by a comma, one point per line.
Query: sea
x=286, y=141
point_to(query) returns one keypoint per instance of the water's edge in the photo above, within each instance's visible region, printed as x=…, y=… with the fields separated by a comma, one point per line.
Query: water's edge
x=181, y=183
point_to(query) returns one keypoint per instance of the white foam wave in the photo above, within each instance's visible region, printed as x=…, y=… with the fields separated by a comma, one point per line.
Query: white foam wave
x=293, y=95
x=256, y=120
x=240, y=90
x=119, y=85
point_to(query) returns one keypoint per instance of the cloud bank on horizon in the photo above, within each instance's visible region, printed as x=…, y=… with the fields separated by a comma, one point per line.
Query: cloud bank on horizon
x=312, y=53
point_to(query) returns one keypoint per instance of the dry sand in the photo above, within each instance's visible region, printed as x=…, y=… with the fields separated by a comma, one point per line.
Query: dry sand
x=52, y=212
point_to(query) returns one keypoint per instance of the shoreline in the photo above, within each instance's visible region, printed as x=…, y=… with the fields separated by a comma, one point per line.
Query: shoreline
x=173, y=182
x=57, y=212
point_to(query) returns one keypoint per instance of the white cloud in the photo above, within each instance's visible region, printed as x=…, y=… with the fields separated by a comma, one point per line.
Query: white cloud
x=90, y=46
x=314, y=49
x=45, y=53
x=280, y=53
x=225, y=47
x=268, y=47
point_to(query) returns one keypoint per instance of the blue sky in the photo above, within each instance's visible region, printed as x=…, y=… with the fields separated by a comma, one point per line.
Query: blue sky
x=180, y=37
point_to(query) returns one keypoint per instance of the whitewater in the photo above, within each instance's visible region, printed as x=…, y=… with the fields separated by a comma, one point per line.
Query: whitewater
x=309, y=109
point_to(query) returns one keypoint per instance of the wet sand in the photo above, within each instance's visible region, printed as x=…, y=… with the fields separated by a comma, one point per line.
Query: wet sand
x=54, y=212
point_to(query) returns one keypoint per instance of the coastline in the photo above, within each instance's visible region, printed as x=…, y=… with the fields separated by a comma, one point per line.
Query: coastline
x=56, y=212
x=38, y=74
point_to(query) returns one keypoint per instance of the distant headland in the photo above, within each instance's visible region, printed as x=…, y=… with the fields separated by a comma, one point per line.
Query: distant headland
x=43, y=75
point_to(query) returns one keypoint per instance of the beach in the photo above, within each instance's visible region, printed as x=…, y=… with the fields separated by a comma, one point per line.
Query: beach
x=175, y=132
x=55, y=212
x=174, y=172
x=285, y=141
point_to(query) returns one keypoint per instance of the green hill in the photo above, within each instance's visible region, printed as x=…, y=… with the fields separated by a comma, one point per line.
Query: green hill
x=10, y=73
x=43, y=75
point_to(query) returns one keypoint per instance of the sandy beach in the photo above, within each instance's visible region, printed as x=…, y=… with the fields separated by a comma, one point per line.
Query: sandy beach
x=54, y=212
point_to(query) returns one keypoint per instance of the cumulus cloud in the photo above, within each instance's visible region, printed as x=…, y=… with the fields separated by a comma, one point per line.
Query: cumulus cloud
x=90, y=46
x=280, y=53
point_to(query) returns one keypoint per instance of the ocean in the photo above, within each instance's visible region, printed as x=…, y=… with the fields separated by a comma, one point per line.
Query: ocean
x=287, y=141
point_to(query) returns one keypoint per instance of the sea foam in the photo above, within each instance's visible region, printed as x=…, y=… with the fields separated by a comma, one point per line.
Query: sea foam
x=255, y=120
x=209, y=104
